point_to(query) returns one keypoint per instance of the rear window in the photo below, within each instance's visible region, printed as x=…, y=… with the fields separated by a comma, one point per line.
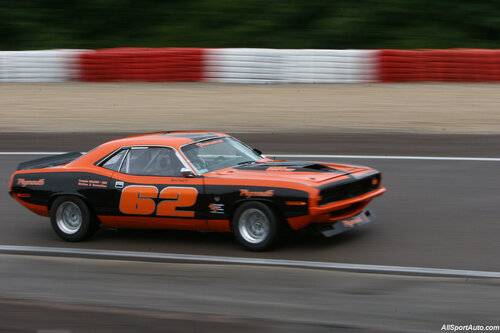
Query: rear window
x=114, y=162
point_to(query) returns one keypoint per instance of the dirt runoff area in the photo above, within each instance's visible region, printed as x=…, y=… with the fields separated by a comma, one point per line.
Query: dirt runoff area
x=472, y=108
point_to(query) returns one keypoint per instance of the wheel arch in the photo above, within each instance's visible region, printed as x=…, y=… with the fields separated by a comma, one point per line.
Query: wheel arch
x=54, y=196
x=273, y=205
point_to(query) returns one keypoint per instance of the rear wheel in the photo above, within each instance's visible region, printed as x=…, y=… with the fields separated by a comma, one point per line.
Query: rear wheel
x=71, y=219
x=255, y=226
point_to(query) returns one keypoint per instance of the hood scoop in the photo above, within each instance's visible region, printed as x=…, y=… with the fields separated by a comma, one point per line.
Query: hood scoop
x=318, y=167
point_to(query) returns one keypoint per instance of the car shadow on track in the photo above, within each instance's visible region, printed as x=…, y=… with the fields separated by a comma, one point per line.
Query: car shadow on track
x=213, y=243
x=308, y=239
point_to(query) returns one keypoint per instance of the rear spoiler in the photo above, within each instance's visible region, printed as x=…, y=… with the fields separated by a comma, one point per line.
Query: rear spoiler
x=49, y=161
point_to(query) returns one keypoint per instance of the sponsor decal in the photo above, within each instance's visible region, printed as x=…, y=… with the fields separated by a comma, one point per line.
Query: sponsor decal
x=92, y=183
x=203, y=144
x=249, y=194
x=25, y=182
x=351, y=222
x=279, y=168
x=216, y=208
x=179, y=180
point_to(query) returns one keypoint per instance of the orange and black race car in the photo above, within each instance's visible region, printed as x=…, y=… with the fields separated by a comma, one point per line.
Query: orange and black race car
x=197, y=181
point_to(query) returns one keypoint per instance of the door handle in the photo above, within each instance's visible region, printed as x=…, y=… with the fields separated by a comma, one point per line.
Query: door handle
x=119, y=184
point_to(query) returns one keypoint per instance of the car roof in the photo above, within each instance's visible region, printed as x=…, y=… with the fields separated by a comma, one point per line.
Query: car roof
x=169, y=138
x=174, y=139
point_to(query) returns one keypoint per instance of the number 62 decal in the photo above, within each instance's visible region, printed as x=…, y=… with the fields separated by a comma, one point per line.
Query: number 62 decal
x=139, y=200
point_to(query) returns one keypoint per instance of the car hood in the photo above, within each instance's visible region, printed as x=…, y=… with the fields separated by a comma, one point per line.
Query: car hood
x=303, y=171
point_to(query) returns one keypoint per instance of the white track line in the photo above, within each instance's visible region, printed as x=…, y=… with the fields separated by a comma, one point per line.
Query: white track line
x=392, y=157
x=183, y=258
x=373, y=157
x=30, y=153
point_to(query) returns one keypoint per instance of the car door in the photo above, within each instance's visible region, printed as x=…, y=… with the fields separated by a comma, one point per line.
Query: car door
x=147, y=190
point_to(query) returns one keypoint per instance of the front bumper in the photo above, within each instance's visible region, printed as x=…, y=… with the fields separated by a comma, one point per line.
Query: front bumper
x=335, y=211
x=321, y=211
x=337, y=227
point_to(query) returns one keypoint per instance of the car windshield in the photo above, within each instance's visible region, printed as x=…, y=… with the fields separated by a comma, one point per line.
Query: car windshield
x=219, y=153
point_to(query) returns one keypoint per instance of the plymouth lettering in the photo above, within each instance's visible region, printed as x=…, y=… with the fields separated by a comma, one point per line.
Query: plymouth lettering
x=249, y=194
x=24, y=182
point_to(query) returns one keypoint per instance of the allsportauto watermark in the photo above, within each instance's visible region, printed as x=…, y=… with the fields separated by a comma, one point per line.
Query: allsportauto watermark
x=469, y=328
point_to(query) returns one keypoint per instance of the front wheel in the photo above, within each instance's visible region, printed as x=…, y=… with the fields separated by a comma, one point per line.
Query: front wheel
x=255, y=226
x=71, y=219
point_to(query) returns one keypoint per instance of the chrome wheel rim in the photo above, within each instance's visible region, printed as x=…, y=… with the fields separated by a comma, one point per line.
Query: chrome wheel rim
x=69, y=217
x=253, y=225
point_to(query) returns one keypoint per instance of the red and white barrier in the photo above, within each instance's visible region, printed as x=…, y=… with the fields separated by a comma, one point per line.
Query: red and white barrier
x=39, y=66
x=290, y=66
x=328, y=66
x=142, y=64
x=242, y=65
x=251, y=65
x=456, y=65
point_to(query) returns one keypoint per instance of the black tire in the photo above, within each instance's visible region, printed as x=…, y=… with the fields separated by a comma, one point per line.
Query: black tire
x=255, y=226
x=71, y=219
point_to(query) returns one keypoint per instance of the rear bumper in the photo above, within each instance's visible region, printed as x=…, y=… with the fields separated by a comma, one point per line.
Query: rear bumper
x=37, y=209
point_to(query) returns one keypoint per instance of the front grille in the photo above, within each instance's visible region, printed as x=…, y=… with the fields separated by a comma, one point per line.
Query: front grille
x=346, y=210
x=349, y=190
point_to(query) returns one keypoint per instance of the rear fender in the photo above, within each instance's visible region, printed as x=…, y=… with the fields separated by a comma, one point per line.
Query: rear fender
x=54, y=196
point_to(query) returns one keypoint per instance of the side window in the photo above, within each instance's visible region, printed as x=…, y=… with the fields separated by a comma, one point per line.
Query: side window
x=114, y=162
x=152, y=161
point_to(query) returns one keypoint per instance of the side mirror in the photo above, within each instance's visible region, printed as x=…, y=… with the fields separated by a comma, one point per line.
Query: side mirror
x=185, y=172
x=257, y=151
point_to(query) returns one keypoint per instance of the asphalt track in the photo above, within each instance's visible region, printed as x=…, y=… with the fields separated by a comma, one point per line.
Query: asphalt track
x=436, y=213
